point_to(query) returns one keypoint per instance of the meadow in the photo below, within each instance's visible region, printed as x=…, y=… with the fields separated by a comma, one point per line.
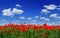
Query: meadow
x=29, y=31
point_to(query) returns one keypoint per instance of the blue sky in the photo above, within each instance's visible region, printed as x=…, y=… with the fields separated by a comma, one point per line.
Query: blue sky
x=30, y=11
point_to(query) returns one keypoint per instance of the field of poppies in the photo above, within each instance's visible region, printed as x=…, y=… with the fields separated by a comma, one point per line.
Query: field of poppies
x=29, y=31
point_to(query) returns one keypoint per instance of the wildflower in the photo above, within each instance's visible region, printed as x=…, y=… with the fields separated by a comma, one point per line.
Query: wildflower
x=25, y=29
x=43, y=34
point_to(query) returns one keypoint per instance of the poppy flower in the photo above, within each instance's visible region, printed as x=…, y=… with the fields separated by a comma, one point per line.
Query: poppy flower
x=25, y=29
x=43, y=34
x=51, y=28
x=4, y=31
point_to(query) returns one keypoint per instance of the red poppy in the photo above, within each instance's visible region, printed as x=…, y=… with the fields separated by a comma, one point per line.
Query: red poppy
x=18, y=29
x=51, y=28
x=4, y=31
x=58, y=27
x=25, y=29
x=43, y=34
x=36, y=27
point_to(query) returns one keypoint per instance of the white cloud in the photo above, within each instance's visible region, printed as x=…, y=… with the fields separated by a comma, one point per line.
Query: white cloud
x=45, y=11
x=54, y=15
x=34, y=20
x=50, y=7
x=43, y=18
x=7, y=12
x=18, y=5
x=3, y=20
x=59, y=17
x=47, y=19
x=36, y=16
x=52, y=22
x=30, y=18
x=22, y=17
x=11, y=12
x=58, y=8
x=16, y=22
x=17, y=11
